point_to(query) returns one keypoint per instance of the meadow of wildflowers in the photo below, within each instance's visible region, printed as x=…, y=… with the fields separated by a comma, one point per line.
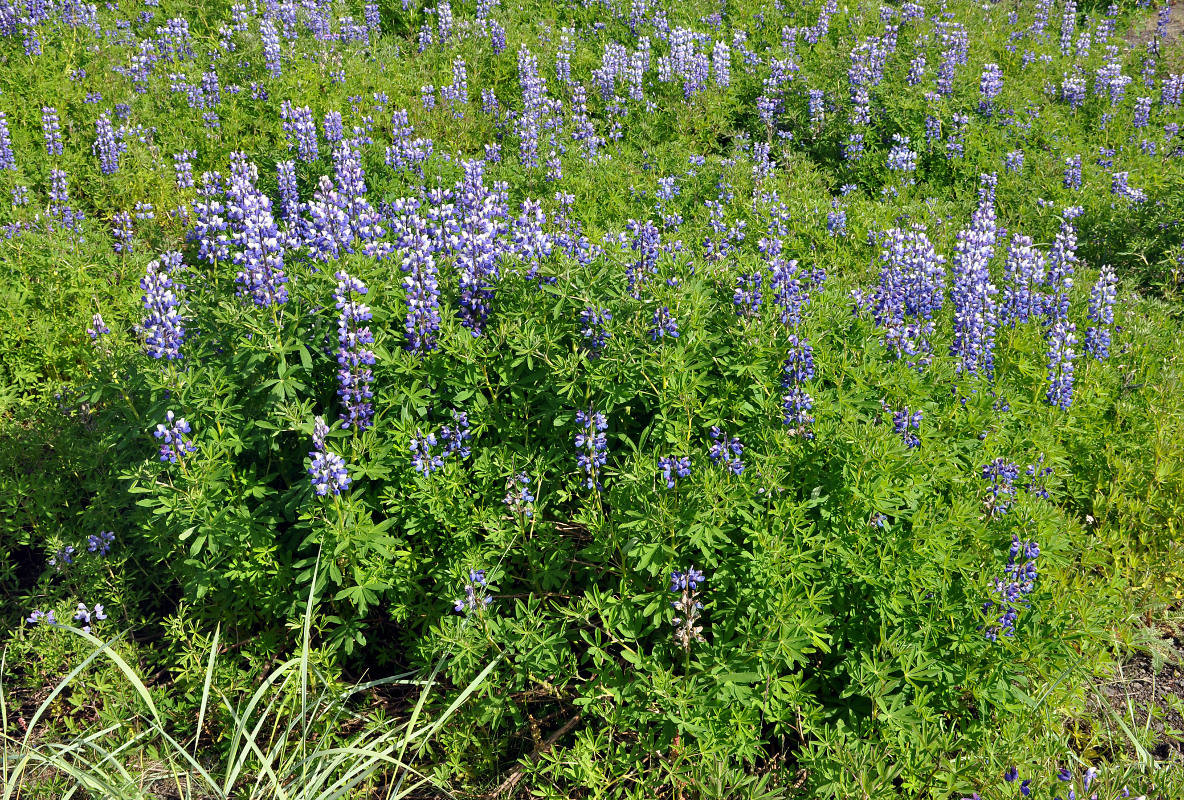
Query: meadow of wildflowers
x=762, y=400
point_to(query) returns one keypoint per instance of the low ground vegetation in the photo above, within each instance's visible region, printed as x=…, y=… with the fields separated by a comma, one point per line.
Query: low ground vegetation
x=691, y=401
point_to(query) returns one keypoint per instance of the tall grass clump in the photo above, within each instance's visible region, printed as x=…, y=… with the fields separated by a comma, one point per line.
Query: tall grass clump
x=298, y=735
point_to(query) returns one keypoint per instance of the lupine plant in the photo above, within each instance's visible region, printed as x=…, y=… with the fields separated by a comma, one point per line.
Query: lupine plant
x=452, y=335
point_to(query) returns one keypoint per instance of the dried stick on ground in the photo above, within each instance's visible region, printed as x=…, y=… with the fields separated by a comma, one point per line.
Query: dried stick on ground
x=507, y=786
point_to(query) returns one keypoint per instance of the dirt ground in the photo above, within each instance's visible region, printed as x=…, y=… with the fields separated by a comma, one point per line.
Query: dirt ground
x=1147, y=700
x=1169, y=48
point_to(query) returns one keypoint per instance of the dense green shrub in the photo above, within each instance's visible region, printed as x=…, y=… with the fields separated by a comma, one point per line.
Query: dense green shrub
x=851, y=568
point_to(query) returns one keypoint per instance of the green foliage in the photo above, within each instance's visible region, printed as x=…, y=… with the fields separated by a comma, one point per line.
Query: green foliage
x=846, y=573
x=284, y=739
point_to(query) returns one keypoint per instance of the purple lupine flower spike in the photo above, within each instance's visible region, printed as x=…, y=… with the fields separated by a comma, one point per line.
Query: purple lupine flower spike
x=327, y=471
x=592, y=445
x=1011, y=591
x=1101, y=313
x=164, y=327
x=354, y=356
x=688, y=608
x=174, y=441
x=673, y=468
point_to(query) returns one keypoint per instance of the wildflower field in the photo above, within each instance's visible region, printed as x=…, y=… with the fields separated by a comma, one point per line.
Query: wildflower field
x=599, y=399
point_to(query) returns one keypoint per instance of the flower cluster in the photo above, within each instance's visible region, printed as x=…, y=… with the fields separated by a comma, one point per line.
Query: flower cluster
x=1024, y=272
x=663, y=324
x=164, y=327
x=59, y=200
x=797, y=403
x=518, y=496
x=1012, y=775
x=911, y=289
x=1062, y=336
x=905, y=424
x=454, y=437
x=327, y=471
x=174, y=443
x=1038, y=474
x=592, y=444
x=122, y=232
x=1088, y=776
x=452, y=440
x=900, y=157
x=51, y=127
x=289, y=193
x=354, y=358
x=87, y=615
x=208, y=228
x=990, y=85
x=476, y=597
x=100, y=544
x=1072, y=178
x=1060, y=333
x=481, y=216
x=645, y=242
x=747, y=296
x=789, y=294
x=1011, y=591
x=97, y=327
x=726, y=450
x=594, y=330
x=975, y=309
x=423, y=458
x=63, y=557
x=799, y=363
x=688, y=629
x=39, y=617
x=301, y=129
x=1002, y=475
x=108, y=145
x=270, y=39
x=1101, y=312
x=410, y=232
x=7, y=157
x=836, y=219
x=1120, y=186
x=255, y=242
x=673, y=468
x=955, y=42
